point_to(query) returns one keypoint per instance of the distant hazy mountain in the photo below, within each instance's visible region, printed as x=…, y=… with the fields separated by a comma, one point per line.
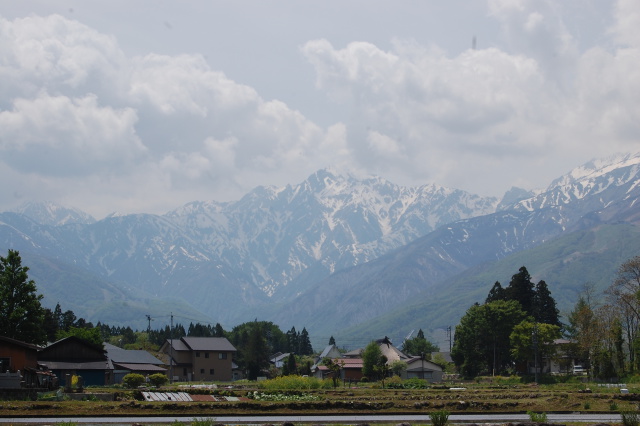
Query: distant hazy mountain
x=49, y=213
x=332, y=253
x=271, y=245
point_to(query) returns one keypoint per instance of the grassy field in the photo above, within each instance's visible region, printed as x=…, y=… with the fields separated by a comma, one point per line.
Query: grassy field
x=308, y=396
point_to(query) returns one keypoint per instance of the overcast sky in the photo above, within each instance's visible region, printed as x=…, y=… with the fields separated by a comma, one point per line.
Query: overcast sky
x=142, y=106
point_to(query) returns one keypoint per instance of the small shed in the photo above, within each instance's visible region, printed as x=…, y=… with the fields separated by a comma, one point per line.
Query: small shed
x=420, y=368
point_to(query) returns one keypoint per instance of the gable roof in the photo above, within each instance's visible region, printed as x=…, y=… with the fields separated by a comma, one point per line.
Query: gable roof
x=128, y=356
x=417, y=363
x=19, y=343
x=346, y=363
x=327, y=350
x=72, y=349
x=208, y=344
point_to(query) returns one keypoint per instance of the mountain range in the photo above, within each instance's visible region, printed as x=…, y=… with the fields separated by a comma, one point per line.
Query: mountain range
x=343, y=256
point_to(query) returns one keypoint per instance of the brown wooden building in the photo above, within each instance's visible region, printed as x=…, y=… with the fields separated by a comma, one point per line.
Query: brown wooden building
x=16, y=355
x=75, y=356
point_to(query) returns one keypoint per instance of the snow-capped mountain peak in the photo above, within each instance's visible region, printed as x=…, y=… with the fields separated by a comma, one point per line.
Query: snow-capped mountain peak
x=50, y=213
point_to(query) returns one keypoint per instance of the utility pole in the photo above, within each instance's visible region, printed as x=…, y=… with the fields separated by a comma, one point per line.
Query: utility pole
x=149, y=326
x=171, y=350
x=449, y=337
x=535, y=350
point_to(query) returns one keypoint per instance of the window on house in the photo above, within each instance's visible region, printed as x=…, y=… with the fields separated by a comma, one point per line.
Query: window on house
x=211, y=371
x=202, y=371
x=197, y=354
x=206, y=354
x=184, y=372
x=222, y=355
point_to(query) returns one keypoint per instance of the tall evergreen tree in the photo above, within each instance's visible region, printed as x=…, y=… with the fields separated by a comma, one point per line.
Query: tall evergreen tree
x=219, y=331
x=522, y=290
x=496, y=293
x=332, y=341
x=544, y=306
x=21, y=314
x=305, y=343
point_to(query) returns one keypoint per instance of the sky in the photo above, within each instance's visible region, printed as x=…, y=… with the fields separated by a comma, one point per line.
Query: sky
x=143, y=106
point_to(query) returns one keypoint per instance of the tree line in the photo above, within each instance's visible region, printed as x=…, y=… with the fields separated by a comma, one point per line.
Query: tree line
x=491, y=338
x=520, y=324
x=23, y=318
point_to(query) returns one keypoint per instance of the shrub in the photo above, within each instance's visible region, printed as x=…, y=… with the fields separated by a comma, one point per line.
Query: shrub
x=133, y=380
x=439, y=418
x=158, y=379
x=587, y=405
x=537, y=417
x=630, y=418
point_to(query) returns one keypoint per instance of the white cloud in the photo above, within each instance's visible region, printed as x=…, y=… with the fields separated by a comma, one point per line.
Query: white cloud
x=147, y=130
x=63, y=136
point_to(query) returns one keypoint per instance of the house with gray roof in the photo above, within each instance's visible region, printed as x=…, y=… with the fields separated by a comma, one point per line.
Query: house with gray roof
x=126, y=361
x=200, y=358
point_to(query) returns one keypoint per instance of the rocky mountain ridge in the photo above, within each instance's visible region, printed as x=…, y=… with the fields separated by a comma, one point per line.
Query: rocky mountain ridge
x=330, y=252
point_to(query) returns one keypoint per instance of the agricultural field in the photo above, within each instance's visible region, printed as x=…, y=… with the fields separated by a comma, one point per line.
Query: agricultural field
x=308, y=396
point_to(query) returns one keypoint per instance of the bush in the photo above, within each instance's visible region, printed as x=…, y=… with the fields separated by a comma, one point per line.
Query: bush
x=133, y=380
x=537, y=417
x=158, y=379
x=630, y=418
x=439, y=418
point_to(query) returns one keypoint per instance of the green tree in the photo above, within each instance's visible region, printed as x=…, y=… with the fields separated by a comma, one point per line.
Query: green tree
x=523, y=336
x=218, y=331
x=382, y=369
x=522, y=290
x=496, y=293
x=158, y=379
x=419, y=346
x=583, y=328
x=332, y=341
x=370, y=358
x=133, y=380
x=290, y=366
x=89, y=335
x=624, y=293
x=334, y=367
x=482, y=339
x=305, y=343
x=21, y=314
x=544, y=306
x=398, y=366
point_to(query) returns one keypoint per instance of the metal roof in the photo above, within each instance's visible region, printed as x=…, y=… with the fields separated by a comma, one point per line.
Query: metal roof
x=208, y=344
x=140, y=367
x=120, y=355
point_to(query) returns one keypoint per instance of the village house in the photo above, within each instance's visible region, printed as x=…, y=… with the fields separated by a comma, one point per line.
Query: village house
x=417, y=367
x=200, y=358
x=16, y=359
x=127, y=361
x=421, y=368
x=73, y=356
